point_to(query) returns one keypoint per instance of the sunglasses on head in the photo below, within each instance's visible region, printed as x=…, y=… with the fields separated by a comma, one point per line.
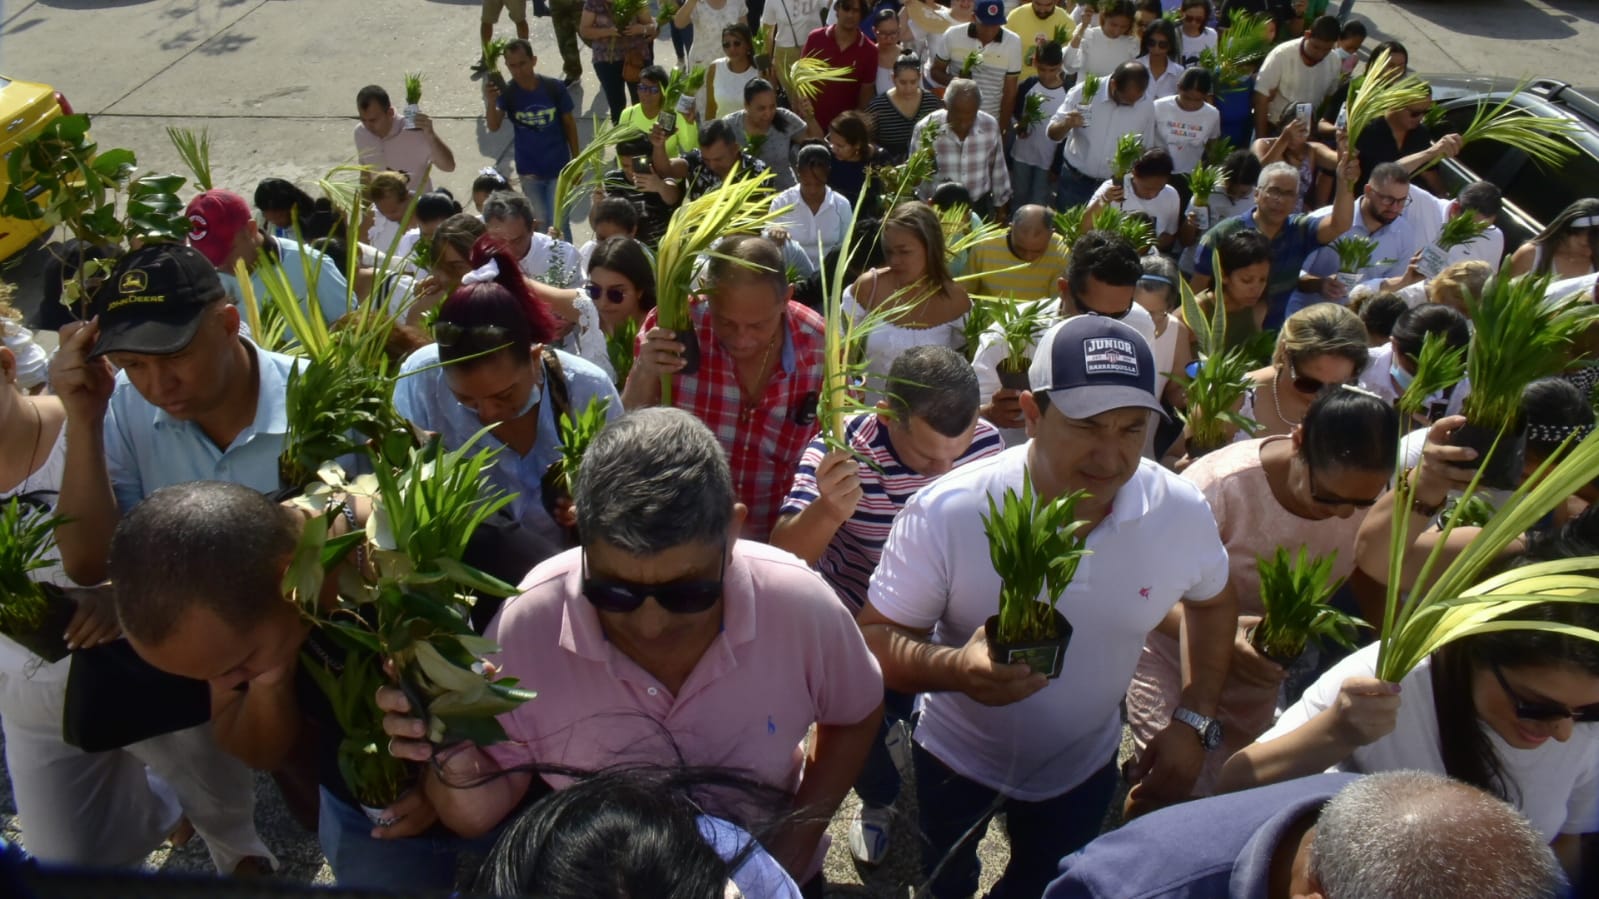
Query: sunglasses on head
x=688, y=596
x=450, y=334
x=1544, y=711
x=595, y=291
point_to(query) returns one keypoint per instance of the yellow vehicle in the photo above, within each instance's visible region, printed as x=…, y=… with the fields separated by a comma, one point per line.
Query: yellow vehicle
x=25, y=108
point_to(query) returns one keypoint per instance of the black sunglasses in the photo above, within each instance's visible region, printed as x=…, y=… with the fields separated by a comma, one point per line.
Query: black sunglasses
x=1118, y=316
x=684, y=597
x=1544, y=711
x=595, y=291
x=1308, y=385
x=1317, y=496
x=450, y=334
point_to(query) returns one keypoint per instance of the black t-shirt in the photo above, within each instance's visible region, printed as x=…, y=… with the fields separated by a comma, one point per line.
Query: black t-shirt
x=1277, y=9
x=653, y=211
x=1377, y=146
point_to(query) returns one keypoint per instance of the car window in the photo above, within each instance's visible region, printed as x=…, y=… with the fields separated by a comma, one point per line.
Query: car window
x=1489, y=160
x=1545, y=191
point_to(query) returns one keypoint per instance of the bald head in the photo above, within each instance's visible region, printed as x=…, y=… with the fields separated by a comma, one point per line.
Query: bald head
x=1423, y=836
x=1030, y=232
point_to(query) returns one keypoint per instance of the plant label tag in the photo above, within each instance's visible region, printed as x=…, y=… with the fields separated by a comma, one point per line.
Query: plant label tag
x=1304, y=112
x=1432, y=262
x=1201, y=217
x=410, y=115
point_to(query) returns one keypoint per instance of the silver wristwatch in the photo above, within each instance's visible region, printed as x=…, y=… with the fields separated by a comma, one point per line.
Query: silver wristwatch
x=1209, y=728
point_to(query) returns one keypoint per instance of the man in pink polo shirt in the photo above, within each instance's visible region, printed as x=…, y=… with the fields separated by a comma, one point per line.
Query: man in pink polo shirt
x=665, y=640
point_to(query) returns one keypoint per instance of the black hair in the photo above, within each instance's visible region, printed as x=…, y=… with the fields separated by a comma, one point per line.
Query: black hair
x=274, y=194
x=1241, y=249
x=908, y=60
x=210, y=544
x=490, y=181
x=1352, y=28
x=718, y=131
x=634, y=146
x=1155, y=161
x=1381, y=313
x=1413, y=326
x=1553, y=408
x=655, y=74
x=370, y=94
x=1325, y=28
x=754, y=88
x=935, y=384
x=856, y=130
x=1128, y=73
x=1117, y=8
x=436, y=205
x=814, y=156
x=1394, y=48
x=1481, y=197
x=1165, y=29
x=521, y=45
x=883, y=15
x=1390, y=173
x=1351, y=430
x=1190, y=3
x=1197, y=78
x=1051, y=54
x=1108, y=256
x=615, y=211
x=1584, y=208
x=627, y=258
x=1241, y=167
x=951, y=194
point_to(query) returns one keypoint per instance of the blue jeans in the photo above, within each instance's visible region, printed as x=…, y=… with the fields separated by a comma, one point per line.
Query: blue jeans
x=682, y=40
x=412, y=865
x=541, y=193
x=955, y=812
x=1074, y=188
x=878, y=782
x=618, y=92
x=1029, y=184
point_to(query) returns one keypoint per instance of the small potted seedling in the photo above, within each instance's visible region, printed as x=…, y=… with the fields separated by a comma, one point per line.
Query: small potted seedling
x=1033, y=114
x=33, y=614
x=413, y=96
x=1036, y=546
x=971, y=63
x=678, y=100
x=1460, y=230
x=1295, y=593
x=1355, y=255
x=1129, y=148
x=1203, y=181
x=1519, y=335
x=1085, y=101
x=493, y=52
x=1019, y=325
x=577, y=432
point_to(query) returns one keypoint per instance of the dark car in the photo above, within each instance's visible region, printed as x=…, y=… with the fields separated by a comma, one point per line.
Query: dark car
x=1534, y=194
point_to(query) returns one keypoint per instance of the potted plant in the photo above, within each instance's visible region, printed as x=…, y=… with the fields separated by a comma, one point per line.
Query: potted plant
x=1461, y=229
x=1519, y=335
x=1129, y=147
x=1036, y=546
x=1033, y=114
x=1019, y=325
x=1220, y=377
x=626, y=12
x=970, y=64
x=413, y=96
x=577, y=432
x=619, y=346
x=1134, y=227
x=32, y=613
x=1239, y=51
x=493, y=52
x=678, y=98
x=1296, y=592
x=1085, y=100
x=1203, y=181
x=1354, y=257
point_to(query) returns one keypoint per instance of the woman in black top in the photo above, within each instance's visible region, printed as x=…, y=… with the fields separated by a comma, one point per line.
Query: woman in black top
x=895, y=112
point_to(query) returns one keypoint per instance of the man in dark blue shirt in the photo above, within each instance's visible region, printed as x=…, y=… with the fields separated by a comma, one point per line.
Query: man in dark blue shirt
x=540, y=110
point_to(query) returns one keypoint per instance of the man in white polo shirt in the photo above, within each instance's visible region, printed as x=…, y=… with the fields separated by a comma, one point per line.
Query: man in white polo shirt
x=1000, y=737
x=999, y=59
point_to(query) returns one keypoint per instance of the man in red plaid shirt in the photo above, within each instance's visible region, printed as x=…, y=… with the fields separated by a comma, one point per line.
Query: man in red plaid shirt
x=759, y=375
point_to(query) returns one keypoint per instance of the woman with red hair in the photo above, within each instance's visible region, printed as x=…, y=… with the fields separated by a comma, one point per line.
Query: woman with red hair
x=493, y=363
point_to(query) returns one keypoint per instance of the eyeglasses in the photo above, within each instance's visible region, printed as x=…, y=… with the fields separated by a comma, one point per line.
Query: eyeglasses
x=1310, y=386
x=1278, y=193
x=1382, y=199
x=683, y=597
x=613, y=293
x=450, y=334
x=1330, y=500
x=1544, y=711
x=1118, y=316
x=1160, y=44
x=728, y=45
x=648, y=88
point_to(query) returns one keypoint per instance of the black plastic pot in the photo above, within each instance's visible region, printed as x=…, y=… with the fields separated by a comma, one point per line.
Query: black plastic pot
x=48, y=641
x=1502, y=470
x=1014, y=380
x=691, y=350
x=1043, y=656
x=551, y=492
x=497, y=79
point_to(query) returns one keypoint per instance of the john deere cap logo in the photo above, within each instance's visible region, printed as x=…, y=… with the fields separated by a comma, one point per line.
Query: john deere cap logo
x=133, y=281
x=198, y=226
x=1109, y=356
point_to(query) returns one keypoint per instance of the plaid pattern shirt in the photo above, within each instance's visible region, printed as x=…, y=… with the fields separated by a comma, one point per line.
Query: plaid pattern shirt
x=764, y=441
x=978, y=162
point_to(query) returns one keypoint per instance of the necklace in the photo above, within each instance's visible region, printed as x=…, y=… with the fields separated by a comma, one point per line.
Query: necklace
x=1276, y=399
x=38, y=436
x=752, y=396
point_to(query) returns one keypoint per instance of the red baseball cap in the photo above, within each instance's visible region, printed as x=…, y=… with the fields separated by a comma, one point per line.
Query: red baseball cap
x=215, y=218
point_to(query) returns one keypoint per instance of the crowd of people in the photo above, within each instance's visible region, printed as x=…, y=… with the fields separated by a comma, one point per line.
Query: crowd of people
x=739, y=615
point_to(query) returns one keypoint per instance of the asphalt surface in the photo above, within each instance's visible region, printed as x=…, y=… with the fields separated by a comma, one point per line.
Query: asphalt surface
x=274, y=81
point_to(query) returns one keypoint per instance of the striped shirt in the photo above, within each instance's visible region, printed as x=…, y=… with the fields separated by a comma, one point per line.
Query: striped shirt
x=1001, y=273
x=886, y=485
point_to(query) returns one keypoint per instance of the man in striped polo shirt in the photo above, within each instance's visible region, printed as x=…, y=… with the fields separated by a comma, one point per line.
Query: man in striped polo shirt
x=843, y=502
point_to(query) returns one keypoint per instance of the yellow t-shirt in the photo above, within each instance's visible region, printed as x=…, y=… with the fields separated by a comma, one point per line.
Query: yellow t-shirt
x=1035, y=32
x=1031, y=281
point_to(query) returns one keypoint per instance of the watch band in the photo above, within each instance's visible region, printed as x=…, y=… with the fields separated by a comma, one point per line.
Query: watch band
x=1208, y=729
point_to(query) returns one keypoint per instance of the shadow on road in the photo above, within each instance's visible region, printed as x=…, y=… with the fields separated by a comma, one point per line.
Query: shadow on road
x=1509, y=20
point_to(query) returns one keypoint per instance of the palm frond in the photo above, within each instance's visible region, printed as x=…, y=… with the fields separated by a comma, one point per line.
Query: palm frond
x=1547, y=141
x=808, y=73
x=1382, y=90
x=578, y=171
x=1129, y=148
x=195, y=151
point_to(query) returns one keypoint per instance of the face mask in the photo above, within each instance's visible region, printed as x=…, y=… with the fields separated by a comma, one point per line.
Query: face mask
x=1401, y=377
x=533, y=397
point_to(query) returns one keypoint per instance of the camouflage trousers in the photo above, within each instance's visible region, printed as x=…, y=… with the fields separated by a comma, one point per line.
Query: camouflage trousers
x=565, y=15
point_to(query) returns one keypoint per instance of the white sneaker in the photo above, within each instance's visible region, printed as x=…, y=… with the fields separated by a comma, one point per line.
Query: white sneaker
x=869, y=835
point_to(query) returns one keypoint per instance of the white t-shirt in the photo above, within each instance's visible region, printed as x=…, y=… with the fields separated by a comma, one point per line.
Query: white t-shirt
x=1184, y=134
x=1294, y=82
x=1556, y=784
x=1097, y=54
x=795, y=20
x=1036, y=149
x=1001, y=59
x=936, y=572
x=991, y=352
x=1193, y=46
x=1164, y=209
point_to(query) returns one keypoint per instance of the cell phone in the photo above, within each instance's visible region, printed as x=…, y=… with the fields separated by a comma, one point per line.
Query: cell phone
x=641, y=163
x=1305, y=110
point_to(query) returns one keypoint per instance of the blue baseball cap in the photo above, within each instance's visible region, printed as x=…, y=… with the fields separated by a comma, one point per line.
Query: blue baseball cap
x=1090, y=364
x=990, y=12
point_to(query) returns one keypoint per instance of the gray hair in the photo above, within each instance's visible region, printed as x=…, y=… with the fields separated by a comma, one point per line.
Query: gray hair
x=935, y=384
x=960, y=88
x=504, y=205
x=1266, y=174
x=1415, y=835
x=652, y=480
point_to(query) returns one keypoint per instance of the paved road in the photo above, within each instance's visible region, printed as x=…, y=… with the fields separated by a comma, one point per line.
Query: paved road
x=275, y=82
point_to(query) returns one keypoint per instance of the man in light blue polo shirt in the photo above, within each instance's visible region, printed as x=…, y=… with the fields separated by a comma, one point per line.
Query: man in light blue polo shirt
x=223, y=229
x=193, y=401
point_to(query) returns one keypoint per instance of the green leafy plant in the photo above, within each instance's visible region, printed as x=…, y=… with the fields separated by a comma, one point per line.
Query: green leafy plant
x=1296, y=593
x=1518, y=337
x=1217, y=151
x=1091, y=85
x=1134, y=227
x=413, y=88
x=626, y=12
x=1036, y=546
x=1071, y=223
x=1470, y=512
x=32, y=613
x=579, y=170
x=1439, y=366
x=754, y=144
x=619, y=348
x=681, y=84
x=901, y=181
x=1033, y=113
x=1355, y=253
x=422, y=254
x=1061, y=35
x=493, y=52
x=1461, y=229
x=667, y=13
x=1129, y=148
x=1204, y=181
x=1019, y=326
x=1547, y=141
x=970, y=64
x=1239, y=51
x=1219, y=385
x=977, y=323
x=195, y=151
x=808, y=73
x=1383, y=89
x=577, y=432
